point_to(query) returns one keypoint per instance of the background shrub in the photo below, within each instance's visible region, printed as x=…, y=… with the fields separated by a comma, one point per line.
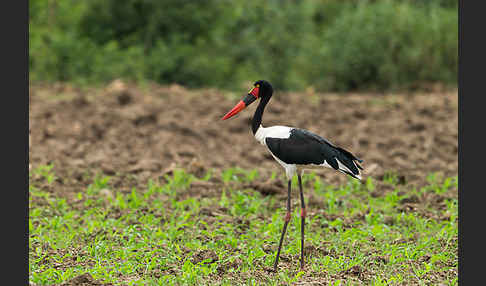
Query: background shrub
x=330, y=45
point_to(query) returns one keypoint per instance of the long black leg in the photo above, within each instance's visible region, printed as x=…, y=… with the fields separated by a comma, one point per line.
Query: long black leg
x=302, y=223
x=287, y=219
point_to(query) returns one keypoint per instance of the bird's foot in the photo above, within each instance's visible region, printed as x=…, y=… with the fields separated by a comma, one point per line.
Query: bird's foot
x=302, y=267
x=270, y=269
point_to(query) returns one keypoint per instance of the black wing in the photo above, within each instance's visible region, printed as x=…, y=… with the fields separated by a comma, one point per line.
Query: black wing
x=304, y=148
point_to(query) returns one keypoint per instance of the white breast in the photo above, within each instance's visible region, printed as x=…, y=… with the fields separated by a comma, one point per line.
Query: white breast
x=281, y=132
x=273, y=132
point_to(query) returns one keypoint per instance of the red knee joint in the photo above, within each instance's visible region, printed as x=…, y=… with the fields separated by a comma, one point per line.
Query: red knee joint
x=287, y=217
x=302, y=213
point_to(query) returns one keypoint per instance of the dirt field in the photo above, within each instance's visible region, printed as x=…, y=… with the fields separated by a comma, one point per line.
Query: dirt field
x=135, y=134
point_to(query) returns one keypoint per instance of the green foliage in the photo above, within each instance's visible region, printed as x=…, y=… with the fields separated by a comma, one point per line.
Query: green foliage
x=387, y=43
x=45, y=171
x=331, y=45
x=143, y=237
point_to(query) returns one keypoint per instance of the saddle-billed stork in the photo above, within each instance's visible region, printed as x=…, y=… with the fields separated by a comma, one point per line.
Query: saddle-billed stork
x=296, y=150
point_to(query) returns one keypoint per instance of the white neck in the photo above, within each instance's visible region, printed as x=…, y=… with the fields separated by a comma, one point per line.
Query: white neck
x=261, y=134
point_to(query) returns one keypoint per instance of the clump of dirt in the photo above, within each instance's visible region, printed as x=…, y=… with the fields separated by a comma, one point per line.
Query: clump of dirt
x=84, y=280
x=311, y=250
x=224, y=267
x=205, y=256
x=136, y=135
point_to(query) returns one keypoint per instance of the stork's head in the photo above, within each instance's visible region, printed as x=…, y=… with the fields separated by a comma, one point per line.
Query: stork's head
x=261, y=89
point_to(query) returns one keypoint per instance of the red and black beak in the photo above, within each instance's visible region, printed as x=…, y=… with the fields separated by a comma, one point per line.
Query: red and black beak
x=249, y=98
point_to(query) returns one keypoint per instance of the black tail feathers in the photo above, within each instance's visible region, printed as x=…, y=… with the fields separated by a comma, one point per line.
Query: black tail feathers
x=348, y=154
x=349, y=160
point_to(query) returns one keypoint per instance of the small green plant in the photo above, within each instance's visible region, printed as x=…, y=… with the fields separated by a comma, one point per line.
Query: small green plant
x=239, y=175
x=45, y=171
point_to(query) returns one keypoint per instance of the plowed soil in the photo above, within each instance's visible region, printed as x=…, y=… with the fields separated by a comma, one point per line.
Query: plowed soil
x=133, y=133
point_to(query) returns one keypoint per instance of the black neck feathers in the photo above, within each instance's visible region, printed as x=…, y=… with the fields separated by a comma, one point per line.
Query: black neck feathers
x=266, y=91
x=257, y=117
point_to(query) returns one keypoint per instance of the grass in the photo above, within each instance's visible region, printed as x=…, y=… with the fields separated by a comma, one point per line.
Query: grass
x=167, y=234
